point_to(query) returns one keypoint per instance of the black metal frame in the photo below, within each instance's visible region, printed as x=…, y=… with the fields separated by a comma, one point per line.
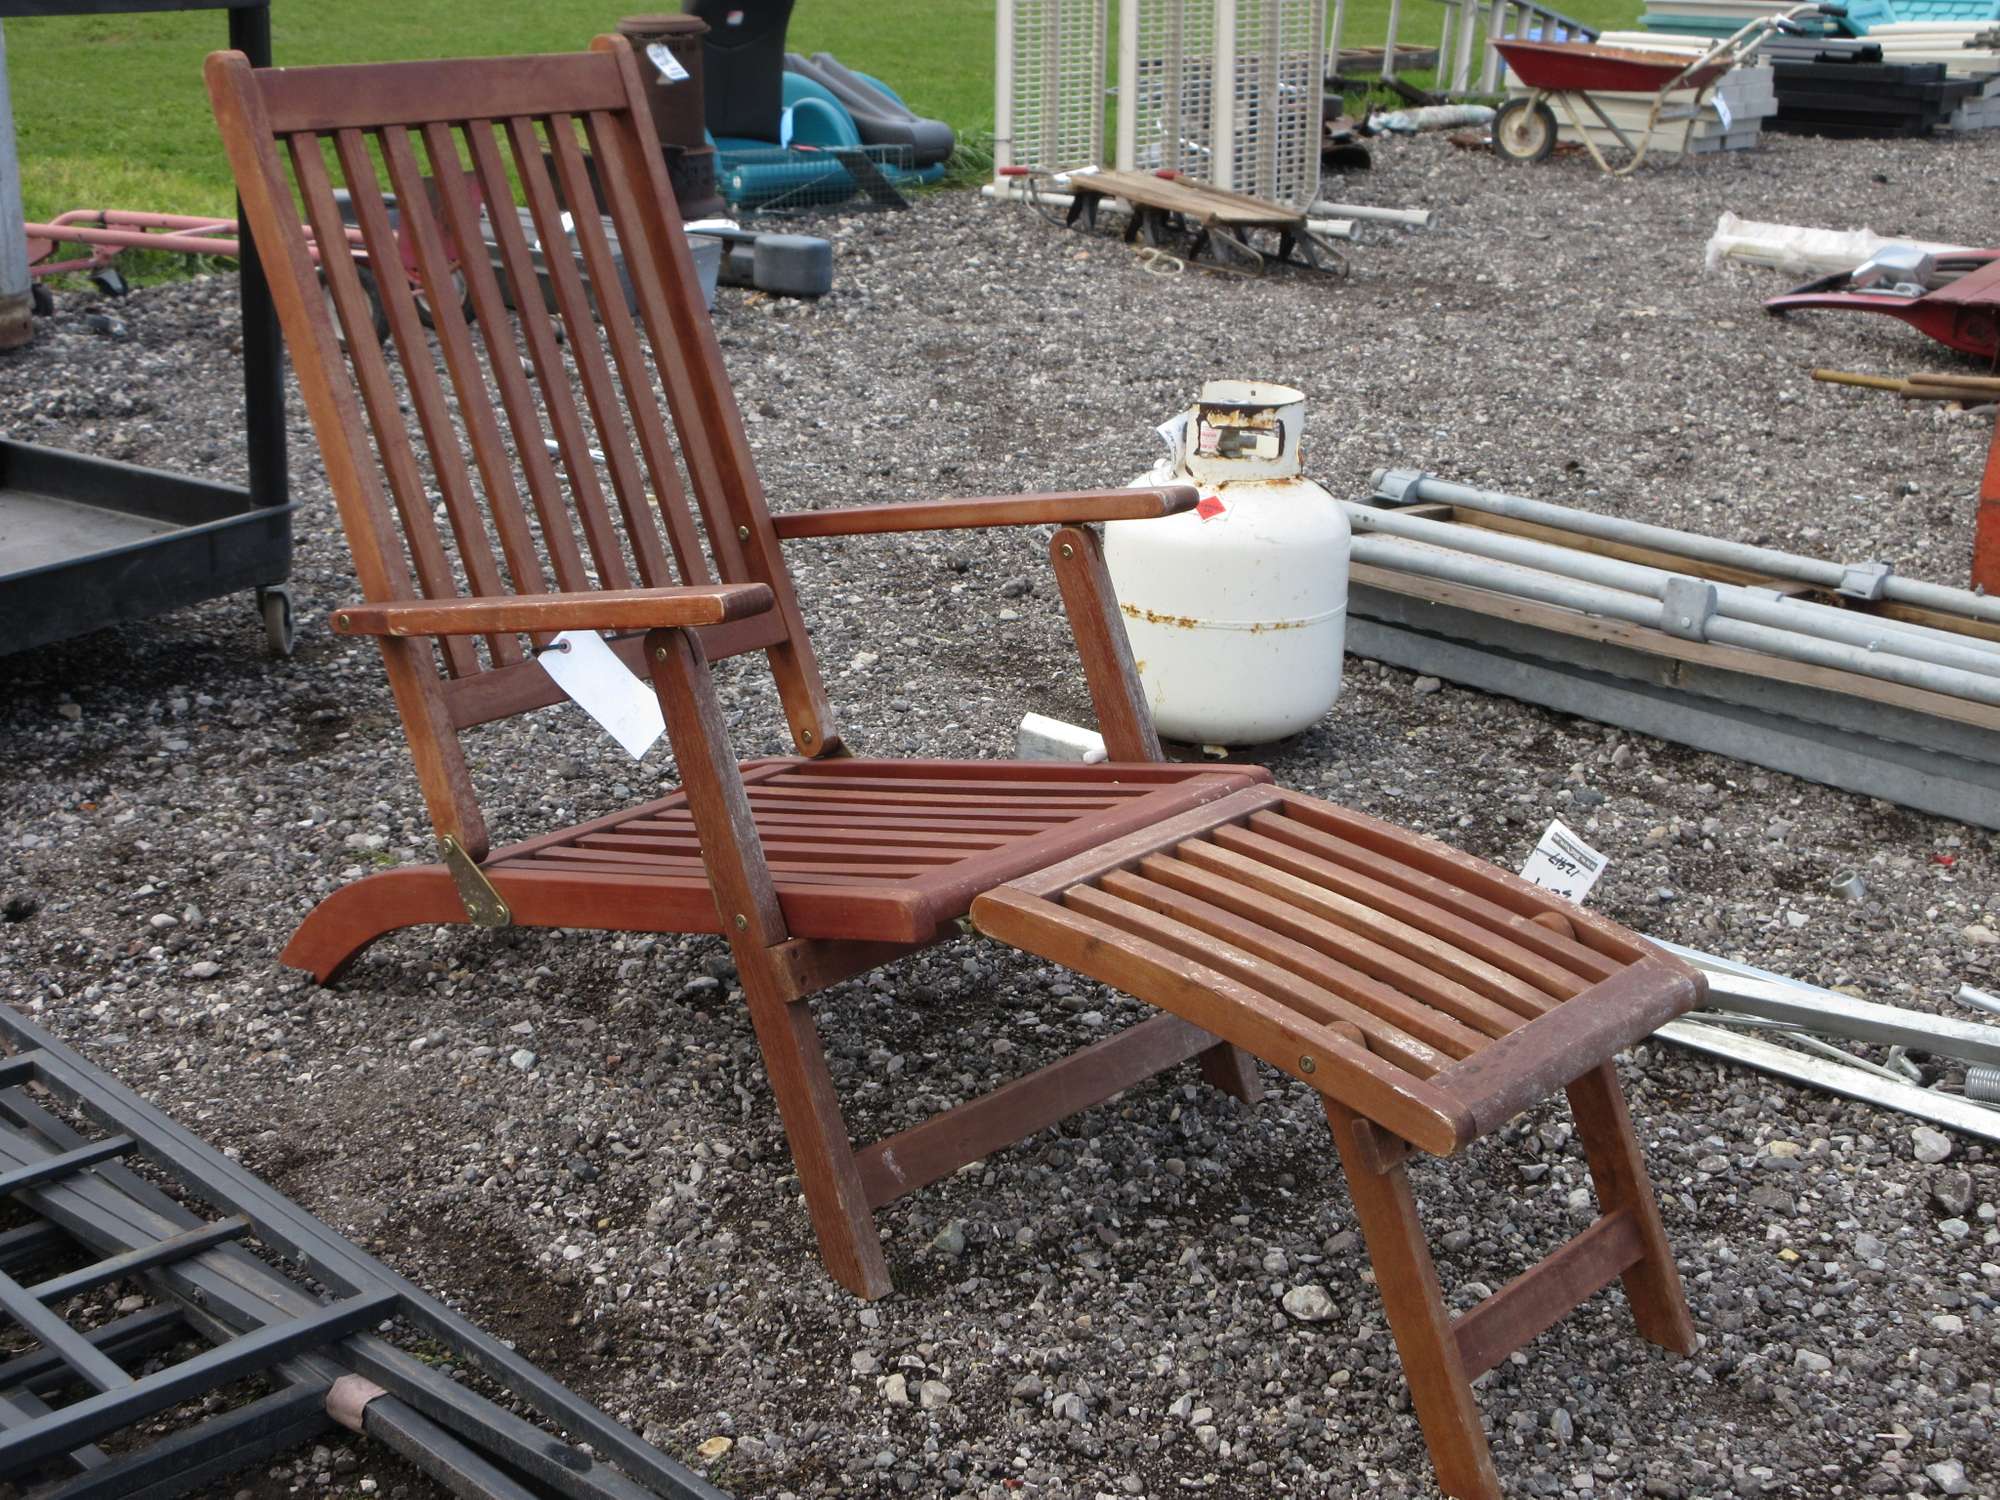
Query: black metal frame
x=316, y=1348
x=67, y=599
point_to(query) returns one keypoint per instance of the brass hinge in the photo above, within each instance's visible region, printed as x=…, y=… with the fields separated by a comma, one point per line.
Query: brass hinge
x=484, y=906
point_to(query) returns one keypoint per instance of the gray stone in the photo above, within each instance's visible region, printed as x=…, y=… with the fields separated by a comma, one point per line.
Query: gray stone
x=864, y=1362
x=1932, y=1146
x=1949, y=1476
x=1812, y=1362
x=523, y=1059
x=932, y=1394
x=1425, y=685
x=1952, y=1193
x=1309, y=1304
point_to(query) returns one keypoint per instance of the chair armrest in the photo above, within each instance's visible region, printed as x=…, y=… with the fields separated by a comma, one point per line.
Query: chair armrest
x=1063, y=509
x=608, y=609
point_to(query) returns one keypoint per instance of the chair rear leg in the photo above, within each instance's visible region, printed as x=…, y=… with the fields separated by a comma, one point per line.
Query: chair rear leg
x=1408, y=1283
x=1653, y=1283
x=1229, y=1068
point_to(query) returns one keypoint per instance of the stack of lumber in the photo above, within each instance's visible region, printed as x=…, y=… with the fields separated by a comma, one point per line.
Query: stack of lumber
x=1731, y=119
x=1967, y=49
x=1850, y=99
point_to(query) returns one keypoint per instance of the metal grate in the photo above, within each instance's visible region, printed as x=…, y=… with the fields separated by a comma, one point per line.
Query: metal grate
x=1226, y=91
x=218, y=1325
x=1049, y=101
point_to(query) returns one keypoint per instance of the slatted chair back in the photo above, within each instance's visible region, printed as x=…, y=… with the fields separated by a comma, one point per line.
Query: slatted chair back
x=480, y=450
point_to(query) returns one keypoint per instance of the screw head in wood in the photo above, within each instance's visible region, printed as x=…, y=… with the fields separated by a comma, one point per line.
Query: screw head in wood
x=659, y=653
x=743, y=533
x=343, y=621
x=1068, y=550
x=805, y=736
x=742, y=922
x=1307, y=1065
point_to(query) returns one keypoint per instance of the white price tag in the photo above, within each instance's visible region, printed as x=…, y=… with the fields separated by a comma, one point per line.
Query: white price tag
x=669, y=65
x=1564, y=864
x=604, y=687
x=1721, y=110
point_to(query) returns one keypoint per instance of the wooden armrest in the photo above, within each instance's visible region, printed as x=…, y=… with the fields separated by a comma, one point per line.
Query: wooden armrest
x=610, y=609
x=1062, y=509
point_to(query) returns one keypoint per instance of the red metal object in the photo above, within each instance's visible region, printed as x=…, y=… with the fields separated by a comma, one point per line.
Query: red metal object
x=1986, y=527
x=1963, y=314
x=108, y=231
x=1586, y=67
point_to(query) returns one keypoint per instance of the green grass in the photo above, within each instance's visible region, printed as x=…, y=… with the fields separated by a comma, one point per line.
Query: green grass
x=110, y=110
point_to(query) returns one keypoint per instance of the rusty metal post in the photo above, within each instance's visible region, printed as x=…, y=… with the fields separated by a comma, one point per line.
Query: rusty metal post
x=1986, y=525
x=17, y=324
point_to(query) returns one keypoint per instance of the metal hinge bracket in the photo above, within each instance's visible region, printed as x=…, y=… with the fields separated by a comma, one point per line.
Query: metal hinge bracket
x=484, y=906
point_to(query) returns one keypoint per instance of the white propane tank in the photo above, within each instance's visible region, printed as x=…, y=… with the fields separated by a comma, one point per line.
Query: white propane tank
x=1237, y=610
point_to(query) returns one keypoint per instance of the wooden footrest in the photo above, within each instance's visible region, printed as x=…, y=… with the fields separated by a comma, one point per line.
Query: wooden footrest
x=1426, y=990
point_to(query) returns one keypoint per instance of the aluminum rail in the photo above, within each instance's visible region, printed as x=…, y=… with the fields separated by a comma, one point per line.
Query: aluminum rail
x=1456, y=567
x=1699, y=604
x=1406, y=485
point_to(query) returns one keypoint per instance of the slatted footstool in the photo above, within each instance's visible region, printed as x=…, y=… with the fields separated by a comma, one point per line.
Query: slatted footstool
x=1430, y=998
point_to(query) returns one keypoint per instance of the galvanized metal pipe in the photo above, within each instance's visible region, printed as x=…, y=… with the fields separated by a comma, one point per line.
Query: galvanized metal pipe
x=1866, y=632
x=1638, y=609
x=1689, y=544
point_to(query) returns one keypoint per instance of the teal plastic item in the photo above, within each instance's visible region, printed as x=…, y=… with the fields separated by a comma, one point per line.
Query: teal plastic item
x=753, y=174
x=1947, y=10
x=1862, y=14
x=1715, y=28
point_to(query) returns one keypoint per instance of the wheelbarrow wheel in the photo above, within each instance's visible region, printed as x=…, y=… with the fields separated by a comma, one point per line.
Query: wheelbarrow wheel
x=1524, y=130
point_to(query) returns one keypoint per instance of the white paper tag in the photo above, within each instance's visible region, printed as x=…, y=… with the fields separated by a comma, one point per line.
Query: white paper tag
x=604, y=687
x=1564, y=864
x=1721, y=110
x=669, y=65
x=1170, y=432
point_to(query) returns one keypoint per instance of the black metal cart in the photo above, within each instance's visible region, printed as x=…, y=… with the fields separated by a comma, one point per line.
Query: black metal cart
x=86, y=542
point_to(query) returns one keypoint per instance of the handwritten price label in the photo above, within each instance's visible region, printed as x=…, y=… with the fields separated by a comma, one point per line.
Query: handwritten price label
x=1564, y=864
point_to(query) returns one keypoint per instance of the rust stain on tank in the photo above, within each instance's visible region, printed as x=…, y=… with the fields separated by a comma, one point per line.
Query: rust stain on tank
x=1189, y=622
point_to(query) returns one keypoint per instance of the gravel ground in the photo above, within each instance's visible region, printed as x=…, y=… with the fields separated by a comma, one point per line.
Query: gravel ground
x=569, y=1134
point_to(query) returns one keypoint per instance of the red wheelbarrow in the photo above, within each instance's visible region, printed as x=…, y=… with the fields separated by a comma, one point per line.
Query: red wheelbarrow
x=1572, y=73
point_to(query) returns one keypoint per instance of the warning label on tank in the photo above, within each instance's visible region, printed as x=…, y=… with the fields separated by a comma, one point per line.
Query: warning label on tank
x=1210, y=506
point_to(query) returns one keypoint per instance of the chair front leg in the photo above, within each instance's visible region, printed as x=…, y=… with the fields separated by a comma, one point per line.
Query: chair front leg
x=746, y=898
x=1092, y=605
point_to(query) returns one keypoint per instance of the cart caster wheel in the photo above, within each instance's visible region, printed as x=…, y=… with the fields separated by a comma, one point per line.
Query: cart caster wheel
x=275, y=604
x=110, y=282
x=1524, y=130
x=43, y=299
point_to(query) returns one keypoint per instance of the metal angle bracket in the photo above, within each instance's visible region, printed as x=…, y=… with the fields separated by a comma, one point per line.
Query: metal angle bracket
x=1864, y=580
x=1686, y=607
x=484, y=906
x=1398, y=486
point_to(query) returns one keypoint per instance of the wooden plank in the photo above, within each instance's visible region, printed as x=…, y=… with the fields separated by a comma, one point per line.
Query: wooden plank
x=500, y=692
x=911, y=1159
x=665, y=838
x=586, y=356
x=372, y=95
x=1527, y=1065
x=1406, y=1278
x=1437, y=859
x=1395, y=875
x=1243, y=923
x=1059, y=508
x=1091, y=602
x=1236, y=802
x=1234, y=884
x=1617, y=1167
x=420, y=377
x=1496, y=946
x=599, y=609
x=1239, y=949
x=1537, y=1299
x=1659, y=643
x=1312, y=1053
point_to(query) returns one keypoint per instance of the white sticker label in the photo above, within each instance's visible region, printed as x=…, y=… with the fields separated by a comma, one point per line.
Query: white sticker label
x=1564, y=864
x=669, y=65
x=1721, y=110
x=604, y=687
x=1170, y=432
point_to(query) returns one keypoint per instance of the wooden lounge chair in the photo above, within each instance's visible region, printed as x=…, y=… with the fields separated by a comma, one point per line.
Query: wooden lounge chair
x=1427, y=996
